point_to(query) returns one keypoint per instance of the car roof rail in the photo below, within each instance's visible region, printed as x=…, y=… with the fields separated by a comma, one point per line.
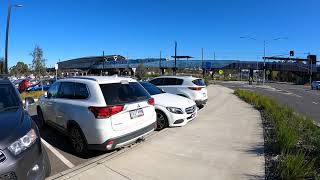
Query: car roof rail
x=81, y=77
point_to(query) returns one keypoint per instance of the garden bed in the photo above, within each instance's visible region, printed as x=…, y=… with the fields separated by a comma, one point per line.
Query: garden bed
x=292, y=141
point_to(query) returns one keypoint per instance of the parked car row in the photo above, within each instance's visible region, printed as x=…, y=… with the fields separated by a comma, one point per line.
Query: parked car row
x=95, y=112
x=104, y=113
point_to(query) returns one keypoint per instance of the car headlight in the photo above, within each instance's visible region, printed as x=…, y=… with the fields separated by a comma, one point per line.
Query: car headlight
x=175, y=110
x=23, y=143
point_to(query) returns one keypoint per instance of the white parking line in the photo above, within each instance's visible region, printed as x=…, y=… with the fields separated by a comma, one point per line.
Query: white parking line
x=315, y=102
x=59, y=155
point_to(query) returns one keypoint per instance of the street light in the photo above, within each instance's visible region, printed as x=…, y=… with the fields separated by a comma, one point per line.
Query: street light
x=7, y=36
x=264, y=52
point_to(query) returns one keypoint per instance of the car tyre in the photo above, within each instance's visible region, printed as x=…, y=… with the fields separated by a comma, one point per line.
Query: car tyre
x=78, y=141
x=41, y=122
x=162, y=120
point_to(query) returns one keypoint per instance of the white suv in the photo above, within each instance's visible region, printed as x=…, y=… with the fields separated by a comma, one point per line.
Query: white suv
x=100, y=113
x=186, y=86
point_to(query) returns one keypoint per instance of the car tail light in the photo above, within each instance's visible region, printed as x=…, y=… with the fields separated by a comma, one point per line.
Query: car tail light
x=151, y=101
x=195, y=88
x=105, y=112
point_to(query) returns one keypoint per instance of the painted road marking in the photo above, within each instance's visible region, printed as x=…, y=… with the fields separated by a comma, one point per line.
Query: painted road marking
x=315, y=102
x=59, y=155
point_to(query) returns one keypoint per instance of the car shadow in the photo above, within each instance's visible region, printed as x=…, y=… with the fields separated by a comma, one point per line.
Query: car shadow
x=60, y=141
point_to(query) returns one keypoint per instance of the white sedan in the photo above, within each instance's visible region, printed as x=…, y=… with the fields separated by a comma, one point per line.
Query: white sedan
x=172, y=110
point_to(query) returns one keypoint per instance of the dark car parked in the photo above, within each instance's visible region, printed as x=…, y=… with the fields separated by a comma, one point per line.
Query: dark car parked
x=21, y=153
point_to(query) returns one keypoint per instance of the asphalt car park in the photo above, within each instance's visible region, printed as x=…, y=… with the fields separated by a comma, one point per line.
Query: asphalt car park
x=60, y=151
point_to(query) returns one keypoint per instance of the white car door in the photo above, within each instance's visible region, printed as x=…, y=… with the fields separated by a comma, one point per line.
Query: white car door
x=48, y=109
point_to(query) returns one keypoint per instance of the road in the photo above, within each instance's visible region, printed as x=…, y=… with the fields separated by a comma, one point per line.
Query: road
x=299, y=97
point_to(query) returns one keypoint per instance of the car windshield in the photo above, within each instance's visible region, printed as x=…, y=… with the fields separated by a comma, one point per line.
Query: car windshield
x=152, y=89
x=8, y=98
x=122, y=93
x=199, y=82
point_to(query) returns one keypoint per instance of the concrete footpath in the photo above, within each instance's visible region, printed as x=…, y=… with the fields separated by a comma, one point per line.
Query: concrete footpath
x=224, y=142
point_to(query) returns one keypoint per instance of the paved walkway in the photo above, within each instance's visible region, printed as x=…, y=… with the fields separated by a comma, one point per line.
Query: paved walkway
x=224, y=142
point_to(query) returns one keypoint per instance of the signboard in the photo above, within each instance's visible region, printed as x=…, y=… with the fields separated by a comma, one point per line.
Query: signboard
x=56, y=66
x=221, y=72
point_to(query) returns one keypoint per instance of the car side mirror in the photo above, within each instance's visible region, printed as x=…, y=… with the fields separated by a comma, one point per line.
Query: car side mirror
x=28, y=102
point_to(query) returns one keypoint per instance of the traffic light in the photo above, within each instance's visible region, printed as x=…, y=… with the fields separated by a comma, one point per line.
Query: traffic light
x=291, y=53
x=312, y=59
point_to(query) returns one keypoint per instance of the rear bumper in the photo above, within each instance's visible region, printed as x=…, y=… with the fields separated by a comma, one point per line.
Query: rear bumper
x=124, y=140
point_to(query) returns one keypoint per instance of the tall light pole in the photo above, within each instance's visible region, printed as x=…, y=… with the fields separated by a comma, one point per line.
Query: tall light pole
x=175, y=58
x=7, y=36
x=264, y=52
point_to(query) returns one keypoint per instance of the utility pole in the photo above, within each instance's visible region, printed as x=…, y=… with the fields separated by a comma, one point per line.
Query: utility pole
x=160, y=64
x=310, y=78
x=214, y=55
x=203, y=70
x=264, y=62
x=175, y=58
x=103, y=61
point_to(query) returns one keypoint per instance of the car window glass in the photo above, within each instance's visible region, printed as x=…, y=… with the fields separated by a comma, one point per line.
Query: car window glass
x=8, y=97
x=179, y=82
x=170, y=81
x=53, y=91
x=117, y=93
x=152, y=89
x=67, y=90
x=157, y=82
x=81, y=91
x=199, y=82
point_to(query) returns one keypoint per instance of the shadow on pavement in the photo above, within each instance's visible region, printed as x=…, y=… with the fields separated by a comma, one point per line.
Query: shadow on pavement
x=60, y=141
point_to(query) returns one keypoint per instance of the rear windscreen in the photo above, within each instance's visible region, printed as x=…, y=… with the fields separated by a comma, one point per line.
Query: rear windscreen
x=199, y=82
x=118, y=93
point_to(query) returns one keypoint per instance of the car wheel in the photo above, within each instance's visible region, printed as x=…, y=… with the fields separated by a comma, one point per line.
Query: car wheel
x=41, y=122
x=162, y=120
x=78, y=141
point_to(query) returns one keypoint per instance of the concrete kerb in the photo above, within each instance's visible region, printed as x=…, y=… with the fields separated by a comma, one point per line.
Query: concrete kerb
x=98, y=160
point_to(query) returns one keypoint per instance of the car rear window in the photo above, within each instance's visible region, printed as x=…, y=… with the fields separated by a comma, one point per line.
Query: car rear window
x=118, y=93
x=152, y=89
x=199, y=82
x=8, y=97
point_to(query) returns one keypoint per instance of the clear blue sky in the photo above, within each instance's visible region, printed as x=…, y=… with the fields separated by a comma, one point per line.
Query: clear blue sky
x=141, y=28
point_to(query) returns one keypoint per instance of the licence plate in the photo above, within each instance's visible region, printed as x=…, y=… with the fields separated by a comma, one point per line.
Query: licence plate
x=204, y=95
x=136, y=113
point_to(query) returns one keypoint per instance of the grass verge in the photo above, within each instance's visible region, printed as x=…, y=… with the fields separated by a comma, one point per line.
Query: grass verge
x=33, y=94
x=292, y=141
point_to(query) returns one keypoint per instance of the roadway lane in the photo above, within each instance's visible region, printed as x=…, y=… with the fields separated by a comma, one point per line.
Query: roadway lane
x=301, y=98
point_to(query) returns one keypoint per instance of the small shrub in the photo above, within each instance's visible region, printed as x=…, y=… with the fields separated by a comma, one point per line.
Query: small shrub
x=287, y=137
x=294, y=167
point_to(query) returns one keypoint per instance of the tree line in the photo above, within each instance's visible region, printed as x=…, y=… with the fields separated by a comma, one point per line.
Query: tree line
x=37, y=68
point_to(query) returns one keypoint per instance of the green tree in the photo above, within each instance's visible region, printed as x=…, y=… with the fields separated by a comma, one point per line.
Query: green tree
x=141, y=71
x=38, y=62
x=19, y=69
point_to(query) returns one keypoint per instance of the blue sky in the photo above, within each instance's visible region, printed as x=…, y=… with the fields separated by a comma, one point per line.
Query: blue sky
x=141, y=28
